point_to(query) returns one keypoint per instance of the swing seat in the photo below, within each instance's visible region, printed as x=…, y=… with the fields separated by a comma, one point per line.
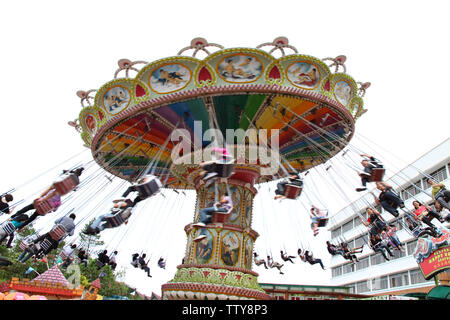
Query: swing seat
x=323, y=222
x=377, y=174
x=149, y=188
x=99, y=264
x=58, y=232
x=45, y=245
x=42, y=207
x=221, y=217
x=63, y=255
x=224, y=170
x=292, y=191
x=24, y=245
x=67, y=184
x=115, y=221
x=8, y=228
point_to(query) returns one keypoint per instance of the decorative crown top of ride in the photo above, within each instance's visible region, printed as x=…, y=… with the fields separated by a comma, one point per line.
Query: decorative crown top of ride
x=144, y=89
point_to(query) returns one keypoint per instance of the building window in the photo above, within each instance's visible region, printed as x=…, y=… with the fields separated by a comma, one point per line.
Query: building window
x=438, y=176
x=416, y=276
x=356, y=222
x=380, y=283
x=336, y=232
x=336, y=272
x=376, y=259
x=360, y=241
x=347, y=227
x=362, y=264
x=399, y=279
x=411, y=247
x=411, y=191
x=349, y=267
x=397, y=254
x=362, y=286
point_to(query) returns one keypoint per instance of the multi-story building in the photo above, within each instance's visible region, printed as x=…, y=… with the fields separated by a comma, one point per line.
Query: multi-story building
x=309, y=292
x=373, y=275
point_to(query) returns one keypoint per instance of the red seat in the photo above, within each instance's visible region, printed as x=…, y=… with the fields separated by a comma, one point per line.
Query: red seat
x=24, y=245
x=8, y=227
x=67, y=184
x=45, y=245
x=292, y=191
x=63, y=255
x=116, y=220
x=149, y=188
x=377, y=175
x=58, y=232
x=221, y=217
x=42, y=207
x=323, y=222
x=224, y=170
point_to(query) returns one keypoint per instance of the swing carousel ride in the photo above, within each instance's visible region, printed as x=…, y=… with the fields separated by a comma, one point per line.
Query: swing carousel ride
x=303, y=110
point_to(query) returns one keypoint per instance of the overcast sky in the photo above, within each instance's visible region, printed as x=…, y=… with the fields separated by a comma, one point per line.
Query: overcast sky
x=51, y=49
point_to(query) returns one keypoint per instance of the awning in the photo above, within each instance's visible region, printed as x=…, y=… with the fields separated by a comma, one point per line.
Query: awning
x=439, y=292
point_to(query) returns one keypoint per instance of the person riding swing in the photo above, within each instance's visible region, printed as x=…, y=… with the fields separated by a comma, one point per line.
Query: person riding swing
x=373, y=171
x=290, y=188
x=224, y=205
x=120, y=213
x=221, y=167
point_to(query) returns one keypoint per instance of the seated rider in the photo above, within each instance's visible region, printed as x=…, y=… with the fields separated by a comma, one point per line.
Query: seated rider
x=440, y=210
x=272, y=264
x=69, y=226
x=135, y=260
x=425, y=213
x=69, y=251
x=286, y=257
x=369, y=163
x=225, y=204
x=316, y=215
x=258, y=261
x=378, y=245
x=121, y=211
x=103, y=258
x=4, y=203
x=391, y=237
x=417, y=229
x=144, y=265
x=17, y=221
x=349, y=254
x=221, y=156
x=311, y=260
x=333, y=249
x=440, y=193
x=161, y=263
x=388, y=199
x=133, y=188
x=375, y=221
x=51, y=195
x=82, y=255
x=294, y=179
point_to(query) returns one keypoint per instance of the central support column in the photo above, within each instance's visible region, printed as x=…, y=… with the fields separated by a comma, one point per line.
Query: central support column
x=220, y=266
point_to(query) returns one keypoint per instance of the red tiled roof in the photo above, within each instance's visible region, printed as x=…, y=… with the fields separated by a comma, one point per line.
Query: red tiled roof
x=54, y=276
x=5, y=286
x=96, y=283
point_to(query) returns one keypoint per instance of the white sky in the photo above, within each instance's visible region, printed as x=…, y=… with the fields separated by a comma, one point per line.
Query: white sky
x=51, y=49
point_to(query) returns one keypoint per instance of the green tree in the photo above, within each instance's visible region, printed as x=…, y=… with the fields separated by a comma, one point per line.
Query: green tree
x=89, y=242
